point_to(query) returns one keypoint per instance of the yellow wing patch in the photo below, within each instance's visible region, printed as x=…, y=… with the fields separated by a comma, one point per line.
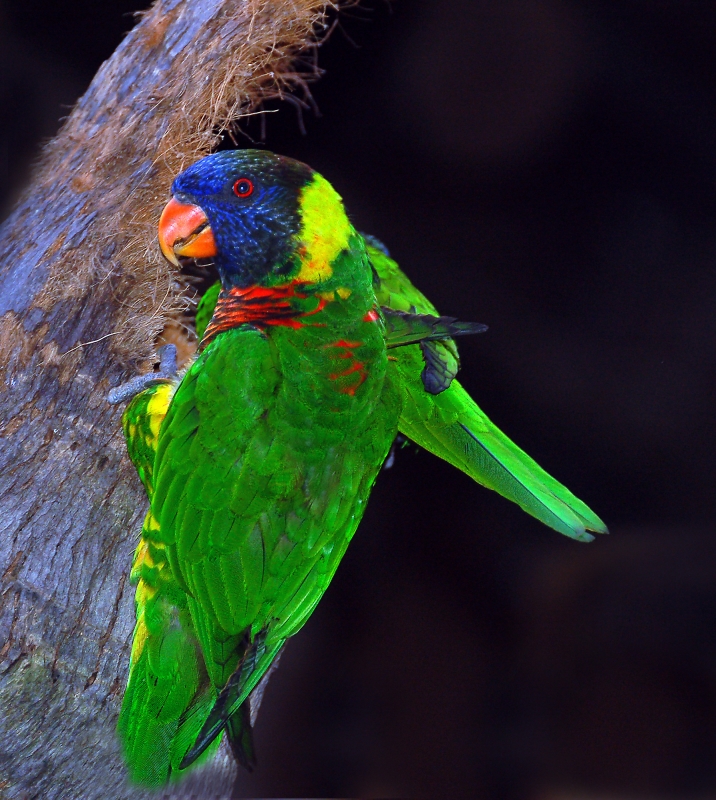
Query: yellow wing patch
x=158, y=406
x=146, y=589
x=141, y=422
x=325, y=230
x=143, y=594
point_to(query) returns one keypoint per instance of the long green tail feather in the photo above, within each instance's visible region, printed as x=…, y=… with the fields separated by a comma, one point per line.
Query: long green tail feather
x=451, y=426
x=447, y=421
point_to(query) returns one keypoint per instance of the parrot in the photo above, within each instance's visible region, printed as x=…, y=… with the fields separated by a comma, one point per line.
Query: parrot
x=315, y=352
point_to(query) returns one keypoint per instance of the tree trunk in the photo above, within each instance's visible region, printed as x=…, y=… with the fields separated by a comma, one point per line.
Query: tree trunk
x=84, y=294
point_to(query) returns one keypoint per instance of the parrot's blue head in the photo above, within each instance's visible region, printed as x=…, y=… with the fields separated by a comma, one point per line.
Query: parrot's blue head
x=240, y=209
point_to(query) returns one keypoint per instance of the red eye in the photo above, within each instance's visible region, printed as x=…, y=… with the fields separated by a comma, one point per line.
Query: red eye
x=243, y=187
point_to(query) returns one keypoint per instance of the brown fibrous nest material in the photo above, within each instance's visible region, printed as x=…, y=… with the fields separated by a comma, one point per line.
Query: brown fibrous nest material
x=188, y=72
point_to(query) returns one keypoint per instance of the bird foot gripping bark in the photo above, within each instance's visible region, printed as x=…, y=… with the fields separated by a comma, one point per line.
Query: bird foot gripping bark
x=167, y=372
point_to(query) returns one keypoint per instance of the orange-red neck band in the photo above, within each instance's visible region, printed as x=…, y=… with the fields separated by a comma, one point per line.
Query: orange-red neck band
x=259, y=306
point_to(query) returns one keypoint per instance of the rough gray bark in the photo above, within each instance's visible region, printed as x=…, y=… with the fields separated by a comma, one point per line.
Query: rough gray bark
x=83, y=296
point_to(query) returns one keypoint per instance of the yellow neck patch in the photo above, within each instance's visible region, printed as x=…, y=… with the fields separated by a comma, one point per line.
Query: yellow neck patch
x=325, y=230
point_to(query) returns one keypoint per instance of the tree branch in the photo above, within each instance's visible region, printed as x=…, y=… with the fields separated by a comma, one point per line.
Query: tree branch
x=84, y=293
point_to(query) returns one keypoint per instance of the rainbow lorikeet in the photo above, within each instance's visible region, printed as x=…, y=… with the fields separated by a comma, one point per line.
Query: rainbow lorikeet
x=315, y=352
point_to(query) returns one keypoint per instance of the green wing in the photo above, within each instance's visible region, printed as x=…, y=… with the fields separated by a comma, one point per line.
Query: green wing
x=168, y=685
x=450, y=424
x=169, y=692
x=167, y=677
x=255, y=506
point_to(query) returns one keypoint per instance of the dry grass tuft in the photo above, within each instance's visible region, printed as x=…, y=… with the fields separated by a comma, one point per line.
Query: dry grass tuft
x=182, y=76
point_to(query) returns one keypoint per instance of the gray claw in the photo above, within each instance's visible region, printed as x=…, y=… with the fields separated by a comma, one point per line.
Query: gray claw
x=167, y=370
x=167, y=360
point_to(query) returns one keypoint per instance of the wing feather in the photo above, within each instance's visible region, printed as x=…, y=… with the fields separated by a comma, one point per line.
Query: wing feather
x=452, y=426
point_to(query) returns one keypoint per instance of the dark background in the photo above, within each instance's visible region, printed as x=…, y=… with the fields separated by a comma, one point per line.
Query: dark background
x=547, y=167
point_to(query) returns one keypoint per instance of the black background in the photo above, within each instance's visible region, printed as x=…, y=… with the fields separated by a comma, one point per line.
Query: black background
x=547, y=167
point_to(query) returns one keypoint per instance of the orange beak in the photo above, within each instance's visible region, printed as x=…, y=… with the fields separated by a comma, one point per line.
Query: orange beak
x=184, y=232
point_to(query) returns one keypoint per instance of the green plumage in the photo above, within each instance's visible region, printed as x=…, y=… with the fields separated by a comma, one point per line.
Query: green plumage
x=205, y=308
x=258, y=466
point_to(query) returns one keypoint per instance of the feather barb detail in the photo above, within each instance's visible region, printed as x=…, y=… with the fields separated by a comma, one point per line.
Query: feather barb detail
x=260, y=306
